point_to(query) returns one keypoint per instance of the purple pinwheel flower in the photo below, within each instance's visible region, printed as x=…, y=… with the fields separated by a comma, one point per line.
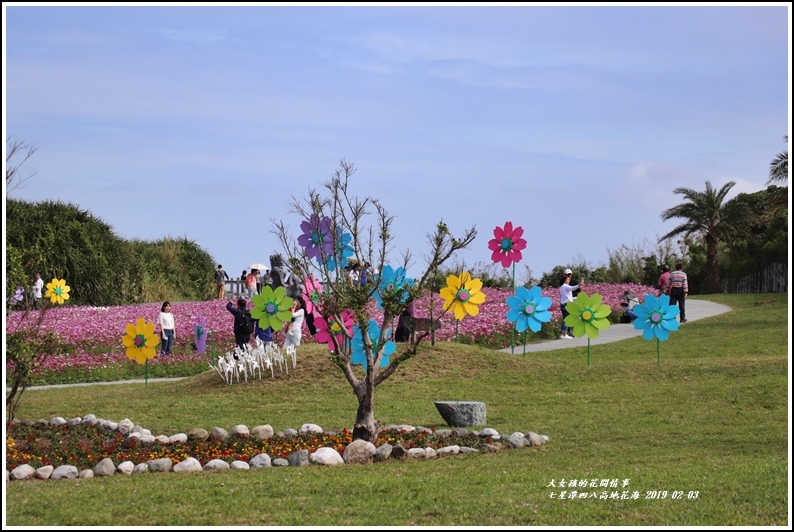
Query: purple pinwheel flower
x=316, y=238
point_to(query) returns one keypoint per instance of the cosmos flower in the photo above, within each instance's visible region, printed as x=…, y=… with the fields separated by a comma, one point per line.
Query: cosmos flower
x=528, y=309
x=329, y=328
x=507, y=244
x=656, y=317
x=57, y=291
x=311, y=291
x=272, y=307
x=316, y=238
x=391, y=281
x=462, y=295
x=359, y=355
x=587, y=315
x=341, y=251
x=140, y=341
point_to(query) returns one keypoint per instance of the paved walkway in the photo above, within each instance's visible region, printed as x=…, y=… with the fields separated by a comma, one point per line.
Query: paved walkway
x=695, y=310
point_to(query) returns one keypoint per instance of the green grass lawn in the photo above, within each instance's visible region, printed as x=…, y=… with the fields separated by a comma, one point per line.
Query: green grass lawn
x=711, y=424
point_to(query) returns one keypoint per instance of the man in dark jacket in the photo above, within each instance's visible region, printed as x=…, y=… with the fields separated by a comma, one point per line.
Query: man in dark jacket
x=241, y=337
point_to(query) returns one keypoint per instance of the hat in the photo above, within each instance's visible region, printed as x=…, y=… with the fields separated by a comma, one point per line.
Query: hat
x=567, y=271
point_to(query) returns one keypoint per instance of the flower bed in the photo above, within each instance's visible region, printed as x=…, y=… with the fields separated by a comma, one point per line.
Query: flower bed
x=83, y=446
x=93, y=335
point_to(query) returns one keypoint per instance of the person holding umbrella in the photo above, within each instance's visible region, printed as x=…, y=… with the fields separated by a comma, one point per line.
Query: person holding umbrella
x=258, y=267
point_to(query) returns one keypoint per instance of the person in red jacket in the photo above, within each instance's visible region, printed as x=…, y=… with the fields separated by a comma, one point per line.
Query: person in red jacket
x=661, y=284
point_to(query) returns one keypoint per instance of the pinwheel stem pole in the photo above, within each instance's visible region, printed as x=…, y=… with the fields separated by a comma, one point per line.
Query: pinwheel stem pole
x=513, y=337
x=525, y=343
x=658, y=353
x=456, y=330
x=588, y=351
x=146, y=372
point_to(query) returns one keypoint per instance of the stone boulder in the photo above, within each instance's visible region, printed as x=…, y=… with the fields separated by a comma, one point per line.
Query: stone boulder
x=462, y=413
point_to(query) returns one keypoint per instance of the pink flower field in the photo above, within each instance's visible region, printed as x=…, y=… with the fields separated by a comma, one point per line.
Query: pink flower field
x=94, y=334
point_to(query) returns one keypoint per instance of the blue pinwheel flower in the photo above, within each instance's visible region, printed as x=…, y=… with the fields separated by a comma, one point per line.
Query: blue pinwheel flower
x=316, y=238
x=359, y=356
x=528, y=309
x=341, y=251
x=656, y=317
x=391, y=281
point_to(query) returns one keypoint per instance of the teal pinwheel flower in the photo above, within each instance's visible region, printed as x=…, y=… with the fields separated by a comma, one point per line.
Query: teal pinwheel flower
x=272, y=307
x=528, y=308
x=359, y=355
x=587, y=315
x=656, y=317
x=392, y=282
x=341, y=251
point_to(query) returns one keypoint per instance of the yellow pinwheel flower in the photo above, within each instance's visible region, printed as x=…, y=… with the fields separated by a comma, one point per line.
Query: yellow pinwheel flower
x=462, y=295
x=57, y=291
x=587, y=315
x=140, y=341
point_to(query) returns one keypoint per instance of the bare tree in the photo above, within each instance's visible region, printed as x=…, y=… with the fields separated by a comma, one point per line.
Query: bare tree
x=16, y=149
x=338, y=216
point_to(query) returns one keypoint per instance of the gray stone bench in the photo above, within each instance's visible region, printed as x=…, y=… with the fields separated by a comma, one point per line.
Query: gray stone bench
x=462, y=413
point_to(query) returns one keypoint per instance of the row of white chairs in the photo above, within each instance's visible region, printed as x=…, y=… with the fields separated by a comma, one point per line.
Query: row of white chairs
x=254, y=360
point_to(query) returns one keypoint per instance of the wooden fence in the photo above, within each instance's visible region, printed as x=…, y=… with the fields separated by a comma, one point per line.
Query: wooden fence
x=773, y=278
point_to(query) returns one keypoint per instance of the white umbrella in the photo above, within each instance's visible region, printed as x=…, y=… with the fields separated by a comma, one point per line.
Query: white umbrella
x=258, y=266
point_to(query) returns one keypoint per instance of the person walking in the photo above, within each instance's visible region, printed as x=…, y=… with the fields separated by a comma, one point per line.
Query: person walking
x=628, y=301
x=264, y=335
x=167, y=328
x=293, y=335
x=566, y=296
x=220, y=281
x=250, y=283
x=38, y=288
x=678, y=288
x=365, y=276
x=353, y=275
x=661, y=284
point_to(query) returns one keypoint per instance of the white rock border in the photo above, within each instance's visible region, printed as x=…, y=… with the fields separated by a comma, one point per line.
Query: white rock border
x=359, y=451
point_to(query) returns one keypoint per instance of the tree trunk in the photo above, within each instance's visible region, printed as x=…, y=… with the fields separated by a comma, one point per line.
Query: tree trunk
x=366, y=427
x=713, y=267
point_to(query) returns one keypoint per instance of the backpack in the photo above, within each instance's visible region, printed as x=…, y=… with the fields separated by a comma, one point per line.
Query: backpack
x=243, y=324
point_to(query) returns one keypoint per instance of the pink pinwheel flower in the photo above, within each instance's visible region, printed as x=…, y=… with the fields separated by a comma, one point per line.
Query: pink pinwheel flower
x=329, y=329
x=507, y=244
x=311, y=291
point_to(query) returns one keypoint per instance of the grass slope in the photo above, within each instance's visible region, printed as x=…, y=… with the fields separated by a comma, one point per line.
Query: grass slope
x=711, y=423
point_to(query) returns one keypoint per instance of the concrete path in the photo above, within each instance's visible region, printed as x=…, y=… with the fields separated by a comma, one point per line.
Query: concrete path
x=131, y=381
x=695, y=310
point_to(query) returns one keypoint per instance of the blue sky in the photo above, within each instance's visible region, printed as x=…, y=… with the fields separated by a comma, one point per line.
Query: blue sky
x=575, y=123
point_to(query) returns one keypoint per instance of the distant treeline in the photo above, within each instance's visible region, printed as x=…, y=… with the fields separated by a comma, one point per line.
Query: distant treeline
x=62, y=241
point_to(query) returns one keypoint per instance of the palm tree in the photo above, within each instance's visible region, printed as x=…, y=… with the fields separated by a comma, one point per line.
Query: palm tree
x=707, y=215
x=778, y=168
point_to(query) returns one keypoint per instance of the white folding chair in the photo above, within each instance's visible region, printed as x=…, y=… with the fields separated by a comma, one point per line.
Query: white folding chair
x=293, y=353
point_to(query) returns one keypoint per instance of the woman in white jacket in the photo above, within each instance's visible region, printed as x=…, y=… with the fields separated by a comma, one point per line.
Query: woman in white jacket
x=293, y=335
